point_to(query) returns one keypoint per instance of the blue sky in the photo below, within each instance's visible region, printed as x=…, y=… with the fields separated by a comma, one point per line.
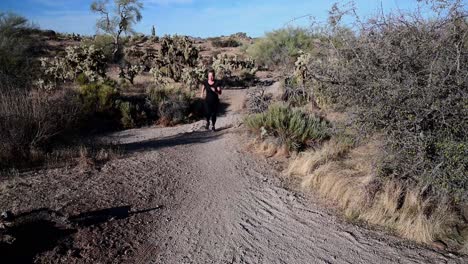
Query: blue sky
x=201, y=18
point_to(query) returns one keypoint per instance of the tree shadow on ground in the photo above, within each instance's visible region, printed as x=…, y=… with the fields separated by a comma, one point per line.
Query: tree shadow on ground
x=197, y=137
x=32, y=233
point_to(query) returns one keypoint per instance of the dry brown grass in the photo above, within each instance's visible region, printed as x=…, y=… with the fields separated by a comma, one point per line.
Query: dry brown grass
x=268, y=148
x=345, y=175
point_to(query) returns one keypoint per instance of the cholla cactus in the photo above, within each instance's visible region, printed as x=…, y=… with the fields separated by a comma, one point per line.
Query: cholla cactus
x=78, y=59
x=301, y=66
x=192, y=77
x=160, y=75
x=88, y=60
x=129, y=71
x=224, y=65
x=176, y=54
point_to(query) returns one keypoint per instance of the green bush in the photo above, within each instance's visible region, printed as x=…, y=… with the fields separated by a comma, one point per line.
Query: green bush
x=98, y=97
x=104, y=43
x=18, y=44
x=126, y=110
x=280, y=48
x=173, y=104
x=292, y=127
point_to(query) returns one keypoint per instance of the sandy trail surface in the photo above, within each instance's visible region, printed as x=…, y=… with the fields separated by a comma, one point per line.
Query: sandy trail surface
x=194, y=196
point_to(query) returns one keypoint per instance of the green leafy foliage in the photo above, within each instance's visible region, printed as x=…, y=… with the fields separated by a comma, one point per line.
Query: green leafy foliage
x=280, y=48
x=126, y=109
x=98, y=97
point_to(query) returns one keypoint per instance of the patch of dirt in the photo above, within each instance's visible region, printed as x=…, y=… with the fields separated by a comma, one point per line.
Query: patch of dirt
x=185, y=195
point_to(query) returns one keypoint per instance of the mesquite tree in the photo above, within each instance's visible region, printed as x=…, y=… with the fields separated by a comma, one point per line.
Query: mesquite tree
x=119, y=20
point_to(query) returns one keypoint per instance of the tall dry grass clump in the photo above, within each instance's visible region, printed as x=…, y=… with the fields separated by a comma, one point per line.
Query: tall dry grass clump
x=346, y=175
x=29, y=120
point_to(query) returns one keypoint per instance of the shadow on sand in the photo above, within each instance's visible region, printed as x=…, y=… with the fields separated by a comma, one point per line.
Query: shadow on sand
x=42, y=230
x=197, y=137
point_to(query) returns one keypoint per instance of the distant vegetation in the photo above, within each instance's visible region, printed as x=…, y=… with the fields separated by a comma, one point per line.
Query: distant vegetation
x=280, y=48
x=225, y=43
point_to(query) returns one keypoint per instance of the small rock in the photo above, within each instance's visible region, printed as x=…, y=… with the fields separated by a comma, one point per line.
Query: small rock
x=7, y=239
x=7, y=215
x=439, y=245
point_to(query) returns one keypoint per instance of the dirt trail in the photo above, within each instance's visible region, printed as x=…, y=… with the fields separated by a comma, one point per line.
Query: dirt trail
x=230, y=208
x=212, y=203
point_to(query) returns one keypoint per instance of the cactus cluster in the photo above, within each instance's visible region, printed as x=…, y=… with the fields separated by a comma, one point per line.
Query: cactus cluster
x=129, y=71
x=143, y=57
x=86, y=60
x=176, y=54
x=192, y=77
x=301, y=66
x=225, y=64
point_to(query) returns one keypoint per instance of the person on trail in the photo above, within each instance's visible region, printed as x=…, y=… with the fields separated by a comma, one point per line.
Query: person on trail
x=212, y=90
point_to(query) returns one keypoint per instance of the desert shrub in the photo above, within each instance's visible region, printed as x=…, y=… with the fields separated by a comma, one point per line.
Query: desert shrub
x=281, y=47
x=98, y=97
x=225, y=43
x=173, y=104
x=295, y=92
x=292, y=126
x=87, y=60
x=258, y=101
x=30, y=120
x=405, y=76
x=18, y=45
x=126, y=109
